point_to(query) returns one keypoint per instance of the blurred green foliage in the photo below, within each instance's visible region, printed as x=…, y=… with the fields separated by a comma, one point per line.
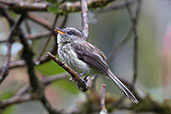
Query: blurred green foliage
x=50, y=68
x=53, y=8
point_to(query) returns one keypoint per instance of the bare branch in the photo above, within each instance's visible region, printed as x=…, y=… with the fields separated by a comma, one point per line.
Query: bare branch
x=84, y=15
x=4, y=70
x=5, y=67
x=64, y=22
x=48, y=40
x=79, y=82
x=45, y=81
x=115, y=6
x=18, y=99
x=25, y=6
x=48, y=106
x=103, y=108
x=115, y=50
x=40, y=21
x=134, y=25
x=38, y=36
x=64, y=8
x=36, y=86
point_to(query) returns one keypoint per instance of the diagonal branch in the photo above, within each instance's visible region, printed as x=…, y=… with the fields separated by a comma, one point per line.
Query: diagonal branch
x=115, y=6
x=5, y=68
x=40, y=21
x=48, y=39
x=115, y=50
x=18, y=99
x=79, y=82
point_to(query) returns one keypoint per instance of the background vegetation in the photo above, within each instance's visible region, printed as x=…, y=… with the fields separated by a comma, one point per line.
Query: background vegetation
x=135, y=35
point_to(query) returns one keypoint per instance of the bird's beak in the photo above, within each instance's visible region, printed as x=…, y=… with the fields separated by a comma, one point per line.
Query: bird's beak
x=60, y=31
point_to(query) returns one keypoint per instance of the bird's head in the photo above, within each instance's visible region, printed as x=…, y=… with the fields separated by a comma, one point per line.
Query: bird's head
x=68, y=34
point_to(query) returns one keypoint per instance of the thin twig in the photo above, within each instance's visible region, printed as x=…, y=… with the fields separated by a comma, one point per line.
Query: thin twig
x=18, y=99
x=27, y=55
x=115, y=50
x=49, y=38
x=54, y=48
x=4, y=70
x=36, y=85
x=79, y=82
x=31, y=36
x=84, y=15
x=115, y=6
x=40, y=21
x=102, y=101
x=38, y=36
x=136, y=44
x=27, y=26
x=134, y=20
x=45, y=81
x=64, y=22
x=48, y=106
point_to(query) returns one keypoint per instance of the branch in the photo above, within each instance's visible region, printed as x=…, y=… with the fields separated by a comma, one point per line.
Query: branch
x=25, y=6
x=48, y=106
x=31, y=36
x=79, y=82
x=103, y=108
x=63, y=9
x=48, y=40
x=38, y=36
x=19, y=99
x=45, y=81
x=27, y=55
x=40, y=21
x=134, y=25
x=115, y=6
x=36, y=86
x=5, y=67
x=84, y=15
x=4, y=70
x=115, y=50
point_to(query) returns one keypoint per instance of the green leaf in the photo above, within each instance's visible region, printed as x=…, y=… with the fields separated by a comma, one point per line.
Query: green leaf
x=53, y=9
x=8, y=110
x=6, y=95
x=51, y=1
x=67, y=85
x=50, y=68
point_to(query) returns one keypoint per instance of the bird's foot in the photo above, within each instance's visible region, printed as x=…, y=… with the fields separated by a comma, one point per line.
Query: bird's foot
x=81, y=74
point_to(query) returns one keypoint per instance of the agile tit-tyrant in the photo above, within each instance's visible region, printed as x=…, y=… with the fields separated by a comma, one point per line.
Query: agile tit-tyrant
x=84, y=57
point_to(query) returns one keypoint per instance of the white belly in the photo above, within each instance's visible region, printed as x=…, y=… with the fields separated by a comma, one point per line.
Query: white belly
x=67, y=54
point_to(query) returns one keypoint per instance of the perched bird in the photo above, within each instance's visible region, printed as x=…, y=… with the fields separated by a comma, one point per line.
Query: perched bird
x=84, y=57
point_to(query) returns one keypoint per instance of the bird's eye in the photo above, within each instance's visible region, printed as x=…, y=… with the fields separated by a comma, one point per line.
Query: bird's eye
x=70, y=33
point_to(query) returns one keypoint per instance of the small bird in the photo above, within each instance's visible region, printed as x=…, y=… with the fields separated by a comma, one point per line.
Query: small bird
x=83, y=57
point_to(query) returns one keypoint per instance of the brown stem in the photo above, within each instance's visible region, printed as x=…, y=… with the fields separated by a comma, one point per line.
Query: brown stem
x=80, y=82
x=103, y=91
x=84, y=15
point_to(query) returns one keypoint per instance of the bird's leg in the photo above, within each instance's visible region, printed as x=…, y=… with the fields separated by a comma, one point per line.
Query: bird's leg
x=81, y=74
x=89, y=81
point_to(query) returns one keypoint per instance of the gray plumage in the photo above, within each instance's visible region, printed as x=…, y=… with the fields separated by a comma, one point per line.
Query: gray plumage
x=84, y=57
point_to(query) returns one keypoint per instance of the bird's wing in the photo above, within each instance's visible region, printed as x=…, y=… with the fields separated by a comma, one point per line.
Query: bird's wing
x=95, y=58
x=90, y=55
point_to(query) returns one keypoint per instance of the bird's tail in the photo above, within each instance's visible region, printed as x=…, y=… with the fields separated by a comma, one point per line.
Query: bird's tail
x=122, y=87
